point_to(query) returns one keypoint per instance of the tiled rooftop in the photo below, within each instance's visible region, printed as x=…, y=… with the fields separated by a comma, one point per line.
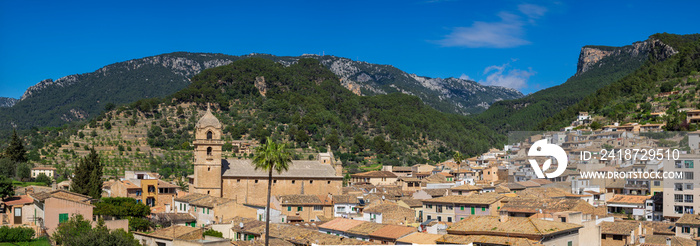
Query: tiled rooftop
x=514, y=225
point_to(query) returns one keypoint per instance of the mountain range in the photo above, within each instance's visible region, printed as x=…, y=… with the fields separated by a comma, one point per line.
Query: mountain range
x=81, y=96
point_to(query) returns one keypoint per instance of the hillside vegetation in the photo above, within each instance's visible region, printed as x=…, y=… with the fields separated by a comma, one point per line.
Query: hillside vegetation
x=621, y=98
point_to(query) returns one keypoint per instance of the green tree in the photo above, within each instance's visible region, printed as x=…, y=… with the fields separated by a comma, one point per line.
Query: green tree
x=8, y=167
x=15, y=150
x=213, y=233
x=16, y=234
x=87, y=178
x=6, y=187
x=107, y=125
x=271, y=156
x=78, y=232
x=595, y=125
x=42, y=178
x=24, y=171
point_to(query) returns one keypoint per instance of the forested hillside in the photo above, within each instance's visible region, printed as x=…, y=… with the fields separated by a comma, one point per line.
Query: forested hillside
x=620, y=99
x=529, y=112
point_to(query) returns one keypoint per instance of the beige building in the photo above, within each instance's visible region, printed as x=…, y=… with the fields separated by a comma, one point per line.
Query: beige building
x=548, y=233
x=20, y=210
x=681, y=196
x=146, y=189
x=48, y=171
x=237, y=178
x=688, y=226
x=55, y=207
x=620, y=233
x=375, y=178
x=305, y=208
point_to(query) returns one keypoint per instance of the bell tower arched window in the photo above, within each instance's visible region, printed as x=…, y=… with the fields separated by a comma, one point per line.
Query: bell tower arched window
x=209, y=135
x=209, y=151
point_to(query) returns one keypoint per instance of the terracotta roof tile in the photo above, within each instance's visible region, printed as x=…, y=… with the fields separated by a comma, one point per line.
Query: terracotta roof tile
x=420, y=238
x=618, y=227
x=488, y=240
x=689, y=219
x=628, y=199
x=341, y=224
x=514, y=225
x=393, y=232
x=375, y=174
x=365, y=229
x=484, y=198
x=18, y=200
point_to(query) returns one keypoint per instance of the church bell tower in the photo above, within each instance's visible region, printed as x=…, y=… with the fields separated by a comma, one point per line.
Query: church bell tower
x=207, y=155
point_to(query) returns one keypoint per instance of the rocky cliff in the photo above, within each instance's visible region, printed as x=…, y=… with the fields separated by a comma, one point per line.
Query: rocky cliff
x=592, y=55
x=6, y=102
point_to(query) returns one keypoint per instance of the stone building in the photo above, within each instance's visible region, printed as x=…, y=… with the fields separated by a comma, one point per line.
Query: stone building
x=237, y=178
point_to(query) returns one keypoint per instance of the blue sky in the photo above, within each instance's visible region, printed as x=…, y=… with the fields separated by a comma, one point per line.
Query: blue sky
x=527, y=45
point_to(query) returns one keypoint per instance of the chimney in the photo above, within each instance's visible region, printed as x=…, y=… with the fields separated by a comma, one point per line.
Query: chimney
x=503, y=218
x=642, y=239
x=668, y=241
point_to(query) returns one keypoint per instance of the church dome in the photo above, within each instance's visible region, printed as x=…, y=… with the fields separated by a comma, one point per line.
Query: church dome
x=208, y=120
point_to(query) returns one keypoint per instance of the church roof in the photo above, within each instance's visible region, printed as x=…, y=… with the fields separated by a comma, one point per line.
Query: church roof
x=208, y=120
x=297, y=169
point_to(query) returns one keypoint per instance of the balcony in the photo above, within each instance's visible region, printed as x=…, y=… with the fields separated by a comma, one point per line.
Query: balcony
x=209, y=141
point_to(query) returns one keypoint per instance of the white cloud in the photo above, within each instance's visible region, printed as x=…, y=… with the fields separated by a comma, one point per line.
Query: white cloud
x=503, y=34
x=465, y=77
x=507, y=33
x=511, y=78
x=532, y=11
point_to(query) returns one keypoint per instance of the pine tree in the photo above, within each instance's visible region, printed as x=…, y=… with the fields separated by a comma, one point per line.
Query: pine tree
x=87, y=178
x=15, y=151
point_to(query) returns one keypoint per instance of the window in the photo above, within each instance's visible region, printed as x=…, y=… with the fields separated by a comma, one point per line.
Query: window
x=689, y=186
x=256, y=181
x=449, y=219
x=678, y=198
x=602, y=236
x=238, y=180
x=688, y=175
x=483, y=208
x=688, y=210
x=689, y=164
x=209, y=151
x=450, y=207
x=657, y=183
x=293, y=181
x=461, y=208
x=274, y=181
x=299, y=209
x=438, y=209
x=617, y=237
x=289, y=208
x=429, y=217
x=209, y=135
x=318, y=208
x=62, y=218
x=329, y=182
x=569, y=243
x=686, y=229
x=678, y=187
x=688, y=198
x=679, y=164
x=678, y=209
x=311, y=181
x=439, y=218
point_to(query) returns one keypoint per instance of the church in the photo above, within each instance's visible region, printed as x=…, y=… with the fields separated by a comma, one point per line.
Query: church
x=237, y=178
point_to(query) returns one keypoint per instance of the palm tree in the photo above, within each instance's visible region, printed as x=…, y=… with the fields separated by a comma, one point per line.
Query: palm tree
x=458, y=158
x=271, y=156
